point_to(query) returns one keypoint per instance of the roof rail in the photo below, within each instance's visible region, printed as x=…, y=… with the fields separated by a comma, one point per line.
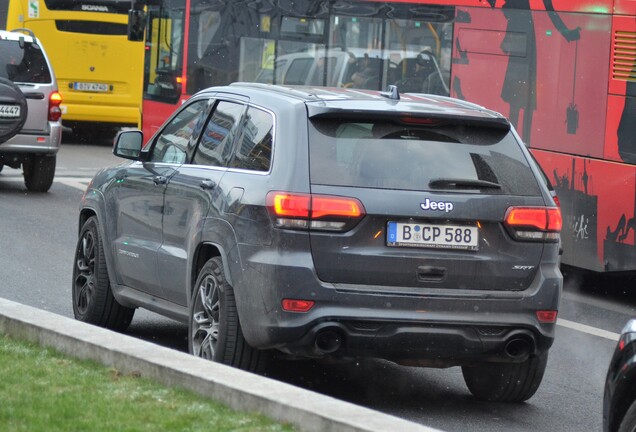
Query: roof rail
x=29, y=32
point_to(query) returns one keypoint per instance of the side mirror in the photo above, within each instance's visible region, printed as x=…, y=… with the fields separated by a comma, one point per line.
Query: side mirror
x=136, y=25
x=167, y=85
x=128, y=144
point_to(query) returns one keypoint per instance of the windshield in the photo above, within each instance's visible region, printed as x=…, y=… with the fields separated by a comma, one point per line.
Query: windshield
x=386, y=155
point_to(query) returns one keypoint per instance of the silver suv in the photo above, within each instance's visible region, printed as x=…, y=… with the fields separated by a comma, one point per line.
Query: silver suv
x=30, y=126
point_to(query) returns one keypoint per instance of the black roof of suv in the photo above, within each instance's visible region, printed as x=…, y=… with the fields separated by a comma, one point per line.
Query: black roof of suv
x=331, y=222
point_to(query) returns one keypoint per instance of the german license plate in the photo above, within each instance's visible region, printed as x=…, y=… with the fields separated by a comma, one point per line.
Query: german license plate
x=9, y=111
x=92, y=87
x=435, y=236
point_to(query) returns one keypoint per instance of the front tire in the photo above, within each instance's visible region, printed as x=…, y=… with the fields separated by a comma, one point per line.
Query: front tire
x=506, y=382
x=214, y=327
x=93, y=300
x=39, y=172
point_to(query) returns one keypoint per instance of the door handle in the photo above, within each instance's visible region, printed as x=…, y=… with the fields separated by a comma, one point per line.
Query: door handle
x=159, y=180
x=207, y=184
x=37, y=96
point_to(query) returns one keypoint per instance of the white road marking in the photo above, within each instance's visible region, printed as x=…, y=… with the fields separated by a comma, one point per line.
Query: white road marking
x=588, y=329
x=74, y=182
x=77, y=183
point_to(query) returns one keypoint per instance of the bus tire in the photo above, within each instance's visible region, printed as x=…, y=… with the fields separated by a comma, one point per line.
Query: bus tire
x=39, y=171
x=11, y=95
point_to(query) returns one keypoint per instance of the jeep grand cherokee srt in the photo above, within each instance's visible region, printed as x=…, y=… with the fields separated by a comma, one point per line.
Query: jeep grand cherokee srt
x=331, y=222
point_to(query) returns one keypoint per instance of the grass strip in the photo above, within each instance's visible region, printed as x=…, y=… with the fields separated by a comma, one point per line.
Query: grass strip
x=43, y=390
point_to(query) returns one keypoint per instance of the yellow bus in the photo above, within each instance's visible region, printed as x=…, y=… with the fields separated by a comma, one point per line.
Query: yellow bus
x=99, y=71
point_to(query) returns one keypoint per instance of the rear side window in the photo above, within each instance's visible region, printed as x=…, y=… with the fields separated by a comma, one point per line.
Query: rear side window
x=215, y=146
x=23, y=65
x=389, y=155
x=254, y=151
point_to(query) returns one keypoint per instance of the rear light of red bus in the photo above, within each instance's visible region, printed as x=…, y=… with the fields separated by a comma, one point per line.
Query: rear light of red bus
x=55, y=112
x=534, y=223
x=316, y=212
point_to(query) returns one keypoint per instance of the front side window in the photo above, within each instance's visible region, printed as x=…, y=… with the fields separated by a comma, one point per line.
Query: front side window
x=215, y=147
x=180, y=134
x=254, y=151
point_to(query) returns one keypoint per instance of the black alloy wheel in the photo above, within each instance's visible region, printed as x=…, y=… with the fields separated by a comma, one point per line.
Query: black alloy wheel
x=93, y=300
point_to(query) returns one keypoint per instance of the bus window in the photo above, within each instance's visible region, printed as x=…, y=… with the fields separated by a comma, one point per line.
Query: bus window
x=361, y=46
x=162, y=70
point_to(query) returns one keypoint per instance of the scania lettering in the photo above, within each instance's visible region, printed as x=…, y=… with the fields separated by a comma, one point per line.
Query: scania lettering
x=94, y=8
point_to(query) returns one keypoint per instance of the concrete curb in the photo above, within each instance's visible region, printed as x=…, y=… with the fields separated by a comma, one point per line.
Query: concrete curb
x=243, y=391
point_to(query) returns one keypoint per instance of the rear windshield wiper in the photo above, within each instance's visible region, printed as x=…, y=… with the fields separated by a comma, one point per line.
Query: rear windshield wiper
x=449, y=183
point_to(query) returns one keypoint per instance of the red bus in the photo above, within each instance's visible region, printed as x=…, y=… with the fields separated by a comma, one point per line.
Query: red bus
x=563, y=71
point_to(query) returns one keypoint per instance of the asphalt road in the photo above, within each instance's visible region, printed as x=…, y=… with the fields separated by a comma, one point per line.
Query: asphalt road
x=37, y=240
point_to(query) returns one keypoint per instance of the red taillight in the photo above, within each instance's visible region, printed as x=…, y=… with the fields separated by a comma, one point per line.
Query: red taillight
x=55, y=112
x=294, y=305
x=326, y=206
x=289, y=205
x=420, y=121
x=547, y=316
x=556, y=201
x=534, y=223
x=321, y=212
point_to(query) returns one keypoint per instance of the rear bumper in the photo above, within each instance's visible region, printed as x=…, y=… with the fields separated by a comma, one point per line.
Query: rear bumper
x=35, y=142
x=431, y=327
x=419, y=344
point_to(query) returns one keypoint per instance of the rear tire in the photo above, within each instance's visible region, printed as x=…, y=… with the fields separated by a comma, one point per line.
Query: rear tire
x=214, y=328
x=39, y=172
x=93, y=300
x=506, y=382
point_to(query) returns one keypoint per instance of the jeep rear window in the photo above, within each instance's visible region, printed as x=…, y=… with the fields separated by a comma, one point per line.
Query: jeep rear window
x=388, y=155
x=23, y=65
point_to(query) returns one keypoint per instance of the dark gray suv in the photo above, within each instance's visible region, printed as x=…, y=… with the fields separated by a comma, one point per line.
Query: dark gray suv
x=331, y=222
